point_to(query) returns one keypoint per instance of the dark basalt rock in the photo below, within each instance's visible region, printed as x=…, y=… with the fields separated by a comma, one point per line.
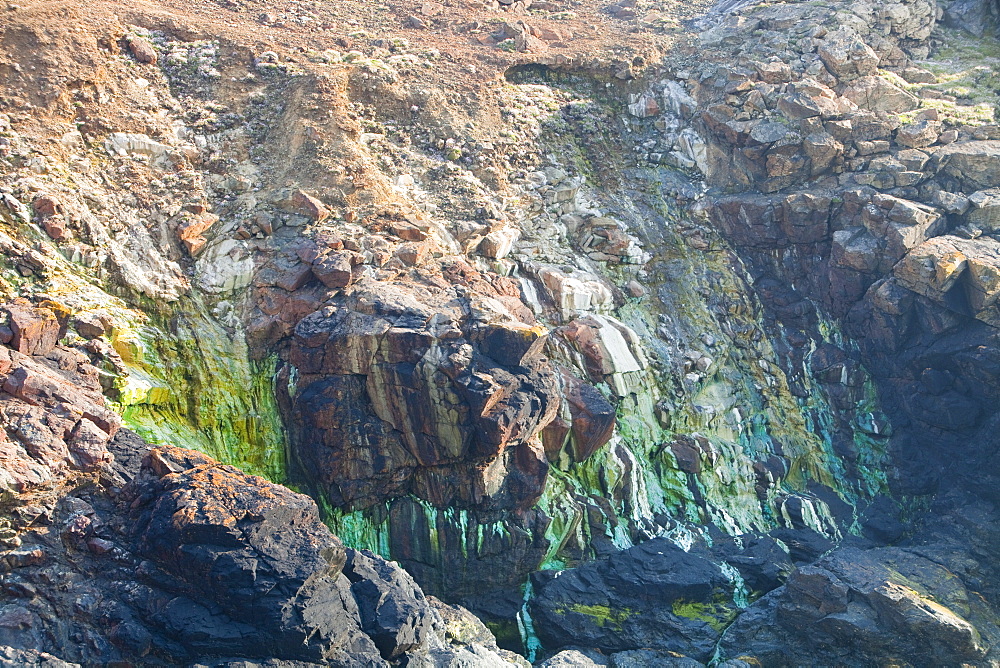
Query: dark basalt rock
x=195, y=560
x=653, y=595
x=397, y=397
x=396, y=624
x=256, y=551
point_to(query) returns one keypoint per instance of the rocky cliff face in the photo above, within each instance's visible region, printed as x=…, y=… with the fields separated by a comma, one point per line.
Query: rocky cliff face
x=116, y=551
x=680, y=348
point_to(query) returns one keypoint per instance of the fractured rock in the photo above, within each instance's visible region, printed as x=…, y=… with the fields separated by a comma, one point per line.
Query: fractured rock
x=975, y=165
x=847, y=56
x=985, y=209
x=35, y=330
x=874, y=93
x=499, y=243
x=918, y=135
x=654, y=595
x=304, y=204
x=858, y=605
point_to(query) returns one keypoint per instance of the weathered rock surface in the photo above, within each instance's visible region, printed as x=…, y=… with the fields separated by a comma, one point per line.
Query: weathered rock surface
x=421, y=385
x=194, y=560
x=654, y=595
x=864, y=605
x=57, y=426
x=453, y=351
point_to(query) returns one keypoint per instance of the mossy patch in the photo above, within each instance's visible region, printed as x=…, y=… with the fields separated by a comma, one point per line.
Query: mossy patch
x=718, y=614
x=507, y=634
x=603, y=616
x=192, y=384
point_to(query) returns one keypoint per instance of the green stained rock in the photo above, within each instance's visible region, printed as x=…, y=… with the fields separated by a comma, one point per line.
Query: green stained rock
x=191, y=384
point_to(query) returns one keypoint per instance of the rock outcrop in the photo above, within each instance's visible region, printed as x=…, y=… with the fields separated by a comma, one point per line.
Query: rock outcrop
x=168, y=556
x=702, y=325
x=448, y=399
x=195, y=560
x=855, y=606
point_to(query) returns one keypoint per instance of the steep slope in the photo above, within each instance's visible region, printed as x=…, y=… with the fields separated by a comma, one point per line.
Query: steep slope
x=505, y=297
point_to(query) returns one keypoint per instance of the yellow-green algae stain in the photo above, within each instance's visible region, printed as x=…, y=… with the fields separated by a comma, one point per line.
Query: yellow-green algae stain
x=603, y=615
x=717, y=614
x=192, y=384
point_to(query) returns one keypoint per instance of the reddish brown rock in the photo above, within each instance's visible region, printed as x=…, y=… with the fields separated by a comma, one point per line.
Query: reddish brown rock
x=142, y=50
x=555, y=434
x=53, y=410
x=88, y=445
x=35, y=330
x=50, y=216
x=47, y=205
x=593, y=418
x=295, y=278
x=411, y=254
x=55, y=228
x=408, y=231
x=303, y=204
x=191, y=229
x=334, y=269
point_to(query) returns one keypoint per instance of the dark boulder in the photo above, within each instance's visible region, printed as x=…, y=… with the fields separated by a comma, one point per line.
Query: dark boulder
x=654, y=595
x=261, y=573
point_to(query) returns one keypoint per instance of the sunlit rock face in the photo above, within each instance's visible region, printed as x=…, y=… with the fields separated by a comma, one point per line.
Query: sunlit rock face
x=445, y=400
x=653, y=354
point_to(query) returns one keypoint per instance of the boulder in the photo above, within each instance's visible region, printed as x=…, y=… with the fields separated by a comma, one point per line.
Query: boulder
x=651, y=658
x=856, y=248
x=863, y=605
x=592, y=418
x=498, y=243
x=301, y=203
x=654, y=595
x=805, y=217
x=900, y=224
x=35, y=330
x=408, y=231
x=141, y=49
x=334, y=269
x=191, y=228
x=575, y=291
x=574, y=658
x=254, y=551
x=511, y=344
x=393, y=609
